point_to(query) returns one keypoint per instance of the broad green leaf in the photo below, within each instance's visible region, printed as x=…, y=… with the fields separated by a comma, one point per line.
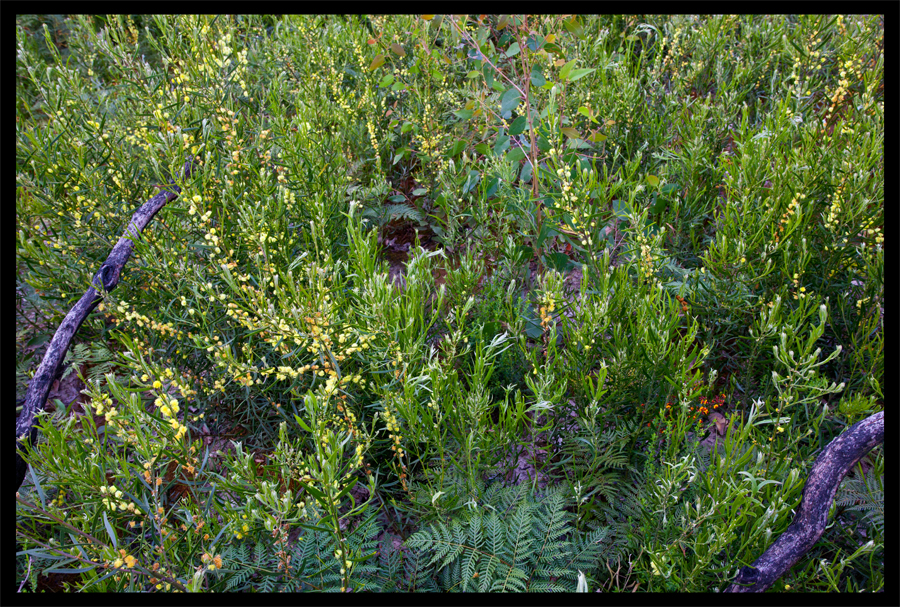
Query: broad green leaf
x=463, y=114
x=587, y=114
x=387, y=80
x=483, y=149
x=653, y=180
x=518, y=125
x=574, y=27
x=509, y=101
x=532, y=322
x=564, y=70
x=503, y=22
x=537, y=78
x=525, y=175
x=516, y=154
x=419, y=192
x=513, y=50
x=473, y=74
x=534, y=42
x=397, y=198
x=471, y=181
x=457, y=148
x=492, y=187
x=597, y=137
x=407, y=126
x=669, y=189
x=553, y=48
x=501, y=145
x=658, y=204
x=427, y=17
x=558, y=261
x=571, y=133
x=376, y=62
x=580, y=73
x=398, y=50
x=621, y=209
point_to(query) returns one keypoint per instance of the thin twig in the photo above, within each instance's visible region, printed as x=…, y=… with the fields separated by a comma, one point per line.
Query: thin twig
x=90, y=537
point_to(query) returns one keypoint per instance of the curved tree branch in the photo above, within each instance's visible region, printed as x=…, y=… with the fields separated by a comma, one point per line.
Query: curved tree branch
x=833, y=463
x=105, y=280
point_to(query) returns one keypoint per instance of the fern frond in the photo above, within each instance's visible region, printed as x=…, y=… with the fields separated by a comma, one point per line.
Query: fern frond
x=866, y=495
x=519, y=544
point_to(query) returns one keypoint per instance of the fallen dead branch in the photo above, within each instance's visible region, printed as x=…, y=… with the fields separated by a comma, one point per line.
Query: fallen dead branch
x=105, y=280
x=832, y=465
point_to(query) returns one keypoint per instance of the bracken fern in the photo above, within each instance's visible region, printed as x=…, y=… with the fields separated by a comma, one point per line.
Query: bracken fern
x=513, y=541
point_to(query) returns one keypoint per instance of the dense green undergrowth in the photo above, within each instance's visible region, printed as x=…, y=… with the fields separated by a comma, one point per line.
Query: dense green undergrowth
x=450, y=302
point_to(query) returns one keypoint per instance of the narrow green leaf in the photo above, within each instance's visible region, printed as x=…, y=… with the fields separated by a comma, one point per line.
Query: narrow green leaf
x=302, y=423
x=110, y=532
x=37, y=340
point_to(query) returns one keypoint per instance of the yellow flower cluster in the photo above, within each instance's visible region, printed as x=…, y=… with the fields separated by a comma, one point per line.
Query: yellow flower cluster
x=212, y=562
x=113, y=499
x=786, y=216
x=169, y=409
x=128, y=314
x=124, y=559
x=104, y=406
x=548, y=305
x=393, y=427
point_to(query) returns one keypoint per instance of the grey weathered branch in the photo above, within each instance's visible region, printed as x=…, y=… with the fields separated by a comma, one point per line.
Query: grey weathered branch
x=838, y=457
x=105, y=280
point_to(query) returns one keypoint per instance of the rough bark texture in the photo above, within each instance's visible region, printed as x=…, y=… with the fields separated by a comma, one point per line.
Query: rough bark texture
x=106, y=279
x=833, y=463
